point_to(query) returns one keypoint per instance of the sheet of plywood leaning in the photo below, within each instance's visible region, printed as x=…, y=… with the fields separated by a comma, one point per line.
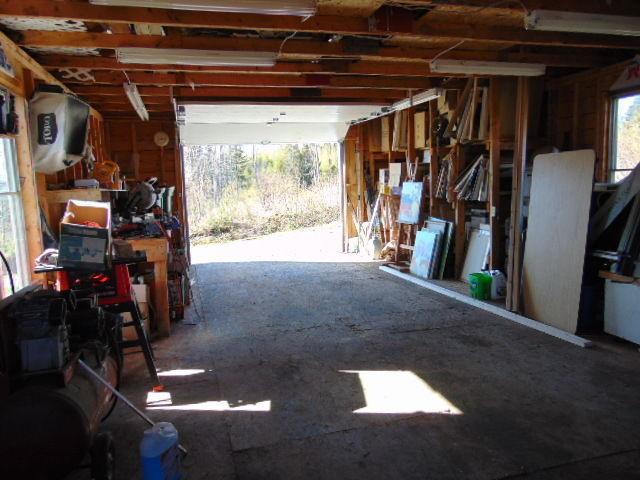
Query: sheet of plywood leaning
x=556, y=237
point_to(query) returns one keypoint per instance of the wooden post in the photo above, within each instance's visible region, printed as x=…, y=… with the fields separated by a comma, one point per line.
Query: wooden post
x=514, y=265
x=359, y=181
x=28, y=188
x=411, y=143
x=575, y=117
x=433, y=151
x=495, y=213
x=343, y=196
x=460, y=216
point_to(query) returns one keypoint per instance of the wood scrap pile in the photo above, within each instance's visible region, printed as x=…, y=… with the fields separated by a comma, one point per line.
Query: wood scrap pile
x=444, y=178
x=473, y=183
x=400, y=126
x=470, y=121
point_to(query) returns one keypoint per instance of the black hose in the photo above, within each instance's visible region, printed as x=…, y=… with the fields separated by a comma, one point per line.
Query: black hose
x=6, y=264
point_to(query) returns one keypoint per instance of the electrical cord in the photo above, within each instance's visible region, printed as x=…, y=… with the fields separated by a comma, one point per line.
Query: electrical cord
x=287, y=38
x=492, y=5
x=8, y=267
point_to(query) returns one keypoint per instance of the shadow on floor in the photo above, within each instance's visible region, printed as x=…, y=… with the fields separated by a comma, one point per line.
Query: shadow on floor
x=303, y=370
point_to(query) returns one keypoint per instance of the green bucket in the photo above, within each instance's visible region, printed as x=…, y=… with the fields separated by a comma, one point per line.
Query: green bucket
x=480, y=286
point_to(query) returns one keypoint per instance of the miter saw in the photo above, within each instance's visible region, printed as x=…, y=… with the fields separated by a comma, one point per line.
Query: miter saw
x=143, y=197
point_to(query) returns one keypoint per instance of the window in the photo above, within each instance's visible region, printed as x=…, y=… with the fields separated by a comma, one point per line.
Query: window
x=625, y=152
x=12, y=230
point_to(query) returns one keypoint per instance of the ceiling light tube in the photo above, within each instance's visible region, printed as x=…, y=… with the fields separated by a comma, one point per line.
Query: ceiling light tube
x=555, y=21
x=136, y=100
x=469, y=67
x=179, y=56
x=300, y=8
x=417, y=99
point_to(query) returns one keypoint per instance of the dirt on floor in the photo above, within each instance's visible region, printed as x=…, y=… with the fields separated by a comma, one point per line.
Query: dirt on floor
x=299, y=362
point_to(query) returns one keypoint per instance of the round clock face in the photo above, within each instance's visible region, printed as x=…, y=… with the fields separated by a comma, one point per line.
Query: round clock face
x=161, y=139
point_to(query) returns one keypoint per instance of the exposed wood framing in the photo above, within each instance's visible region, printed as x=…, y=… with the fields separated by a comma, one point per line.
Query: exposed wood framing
x=495, y=213
x=259, y=80
x=514, y=262
x=316, y=24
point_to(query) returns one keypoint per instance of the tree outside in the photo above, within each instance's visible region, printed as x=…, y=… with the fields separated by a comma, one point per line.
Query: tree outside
x=627, y=152
x=241, y=191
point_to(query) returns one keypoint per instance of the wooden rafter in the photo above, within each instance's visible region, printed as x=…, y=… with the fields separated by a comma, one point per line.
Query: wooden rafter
x=117, y=91
x=258, y=80
x=619, y=7
x=336, y=67
x=294, y=48
x=318, y=24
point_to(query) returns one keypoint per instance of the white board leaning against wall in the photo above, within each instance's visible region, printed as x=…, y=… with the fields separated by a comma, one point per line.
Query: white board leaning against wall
x=556, y=237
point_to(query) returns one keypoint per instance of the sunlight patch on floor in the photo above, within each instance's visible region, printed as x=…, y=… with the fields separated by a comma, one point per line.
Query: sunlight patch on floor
x=217, y=406
x=181, y=372
x=400, y=391
x=309, y=245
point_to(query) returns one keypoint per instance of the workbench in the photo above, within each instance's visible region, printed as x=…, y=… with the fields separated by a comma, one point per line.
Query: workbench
x=157, y=250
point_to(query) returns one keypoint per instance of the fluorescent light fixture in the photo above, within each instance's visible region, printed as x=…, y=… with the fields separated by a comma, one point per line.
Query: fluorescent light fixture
x=417, y=99
x=179, y=56
x=555, y=21
x=471, y=67
x=301, y=8
x=136, y=100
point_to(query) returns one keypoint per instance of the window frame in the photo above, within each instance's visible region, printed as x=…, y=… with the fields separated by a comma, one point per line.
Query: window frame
x=14, y=194
x=613, y=99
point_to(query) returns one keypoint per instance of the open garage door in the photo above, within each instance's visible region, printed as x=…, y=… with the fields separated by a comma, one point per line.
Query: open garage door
x=225, y=123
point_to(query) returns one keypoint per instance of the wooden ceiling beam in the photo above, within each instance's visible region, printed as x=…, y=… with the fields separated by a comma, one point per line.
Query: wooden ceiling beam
x=256, y=80
x=619, y=7
x=337, y=67
x=240, y=92
x=308, y=49
x=474, y=33
x=300, y=48
x=344, y=25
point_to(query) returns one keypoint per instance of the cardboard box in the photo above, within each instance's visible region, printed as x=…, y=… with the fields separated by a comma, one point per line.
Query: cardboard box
x=85, y=236
x=141, y=292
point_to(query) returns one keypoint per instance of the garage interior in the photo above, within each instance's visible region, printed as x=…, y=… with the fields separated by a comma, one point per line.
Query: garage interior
x=479, y=317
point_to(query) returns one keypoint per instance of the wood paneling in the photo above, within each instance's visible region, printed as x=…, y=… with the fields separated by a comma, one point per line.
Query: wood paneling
x=579, y=113
x=131, y=145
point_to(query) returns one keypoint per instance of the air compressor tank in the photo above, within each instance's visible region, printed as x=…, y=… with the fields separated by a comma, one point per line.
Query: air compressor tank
x=46, y=429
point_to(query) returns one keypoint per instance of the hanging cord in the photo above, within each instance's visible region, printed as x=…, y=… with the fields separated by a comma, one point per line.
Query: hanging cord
x=6, y=264
x=126, y=76
x=287, y=38
x=492, y=5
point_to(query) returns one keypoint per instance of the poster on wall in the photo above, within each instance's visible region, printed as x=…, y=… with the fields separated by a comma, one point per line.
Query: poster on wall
x=629, y=78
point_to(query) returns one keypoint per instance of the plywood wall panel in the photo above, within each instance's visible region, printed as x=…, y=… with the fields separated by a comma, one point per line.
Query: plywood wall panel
x=556, y=237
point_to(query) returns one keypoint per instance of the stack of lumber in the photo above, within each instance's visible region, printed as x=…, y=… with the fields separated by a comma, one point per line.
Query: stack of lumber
x=444, y=178
x=470, y=121
x=473, y=183
x=400, y=126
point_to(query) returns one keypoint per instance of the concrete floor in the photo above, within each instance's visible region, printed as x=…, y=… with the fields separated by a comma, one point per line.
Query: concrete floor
x=333, y=370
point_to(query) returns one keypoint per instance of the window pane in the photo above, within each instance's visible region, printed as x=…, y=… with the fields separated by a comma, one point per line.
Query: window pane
x=626, y=148
x=12, y=244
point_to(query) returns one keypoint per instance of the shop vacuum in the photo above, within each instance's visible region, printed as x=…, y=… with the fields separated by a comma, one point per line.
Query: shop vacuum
x=50, y=406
